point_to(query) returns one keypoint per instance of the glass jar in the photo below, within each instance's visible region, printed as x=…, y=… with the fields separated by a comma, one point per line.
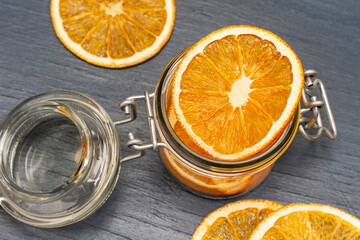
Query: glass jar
x=214, y=178
x=60, y=155
x=204, y=176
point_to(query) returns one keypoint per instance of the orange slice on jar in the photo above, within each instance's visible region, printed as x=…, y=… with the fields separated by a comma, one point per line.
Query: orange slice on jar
x=235, y=220
x=308, y=221
x=236, y=90
x=113, y=33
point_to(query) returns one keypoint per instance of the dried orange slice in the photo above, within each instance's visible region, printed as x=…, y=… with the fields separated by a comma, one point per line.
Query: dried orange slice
x=113, y=33
x=235, y=220
x=308, y=221
x=236, y=90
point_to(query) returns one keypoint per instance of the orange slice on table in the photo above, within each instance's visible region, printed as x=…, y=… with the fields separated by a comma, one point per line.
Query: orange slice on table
x=308, y=221
x=115, y=34
x=236, y=90
x=235, y=220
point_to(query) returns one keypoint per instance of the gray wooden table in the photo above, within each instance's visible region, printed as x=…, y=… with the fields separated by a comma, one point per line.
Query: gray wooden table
x=147, y=203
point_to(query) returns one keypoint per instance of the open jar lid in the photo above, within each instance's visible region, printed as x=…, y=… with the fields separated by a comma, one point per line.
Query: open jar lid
x=59, y=159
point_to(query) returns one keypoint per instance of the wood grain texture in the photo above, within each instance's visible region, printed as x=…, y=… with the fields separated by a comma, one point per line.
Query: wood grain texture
x=147, y=203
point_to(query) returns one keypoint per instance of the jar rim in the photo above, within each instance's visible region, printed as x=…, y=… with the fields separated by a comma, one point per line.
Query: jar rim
x=174, y=143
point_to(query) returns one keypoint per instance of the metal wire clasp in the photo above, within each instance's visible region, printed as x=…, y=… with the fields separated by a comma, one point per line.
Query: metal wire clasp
x=313, y=106
x=129, y=107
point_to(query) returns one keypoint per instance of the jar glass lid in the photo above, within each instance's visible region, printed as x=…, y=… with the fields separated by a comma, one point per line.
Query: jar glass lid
x=59, y=159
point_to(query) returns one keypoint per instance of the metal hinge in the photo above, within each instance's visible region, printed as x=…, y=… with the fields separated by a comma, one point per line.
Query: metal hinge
x=129, y=107
x=312, y=106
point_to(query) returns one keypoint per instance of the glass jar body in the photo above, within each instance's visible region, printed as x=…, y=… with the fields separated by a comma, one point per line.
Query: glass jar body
x=205, y=176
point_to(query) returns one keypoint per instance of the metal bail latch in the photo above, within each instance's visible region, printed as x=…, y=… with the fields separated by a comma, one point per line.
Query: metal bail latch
x=129, y=107
x=313, y=106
